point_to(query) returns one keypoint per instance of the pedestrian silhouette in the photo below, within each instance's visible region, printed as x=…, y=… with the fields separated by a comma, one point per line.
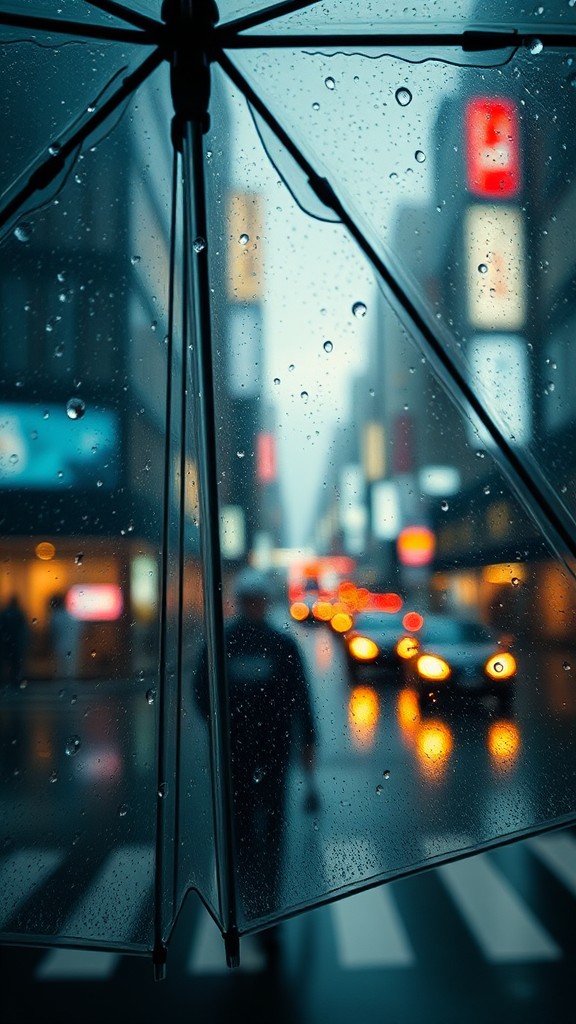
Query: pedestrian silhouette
x=13, y=641
x=66, y=635
x=271, y=724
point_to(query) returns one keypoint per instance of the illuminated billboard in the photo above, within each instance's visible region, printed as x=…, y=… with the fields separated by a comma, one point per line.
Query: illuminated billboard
x=47, y=447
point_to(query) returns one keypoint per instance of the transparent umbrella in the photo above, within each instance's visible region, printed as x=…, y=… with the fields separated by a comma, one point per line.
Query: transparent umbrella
x=287, y=287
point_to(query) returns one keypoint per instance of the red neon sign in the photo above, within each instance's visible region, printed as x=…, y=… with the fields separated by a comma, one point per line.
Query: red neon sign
x=492, y=148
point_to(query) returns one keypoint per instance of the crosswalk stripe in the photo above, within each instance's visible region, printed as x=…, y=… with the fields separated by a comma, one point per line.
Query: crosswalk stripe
x=20, y=874
x=504, y=927
x=369, y=931
x=109, y=910
x=207, y=955
x=77, y=965
x=558, y=852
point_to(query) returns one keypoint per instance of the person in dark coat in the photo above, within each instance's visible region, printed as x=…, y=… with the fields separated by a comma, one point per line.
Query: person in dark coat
x=13, y=639
x=271, y=724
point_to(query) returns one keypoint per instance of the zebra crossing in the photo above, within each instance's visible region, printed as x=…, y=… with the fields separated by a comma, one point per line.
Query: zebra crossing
x=368, y=931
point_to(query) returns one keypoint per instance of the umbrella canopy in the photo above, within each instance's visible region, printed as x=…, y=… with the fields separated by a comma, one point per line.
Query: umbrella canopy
x=289, y=286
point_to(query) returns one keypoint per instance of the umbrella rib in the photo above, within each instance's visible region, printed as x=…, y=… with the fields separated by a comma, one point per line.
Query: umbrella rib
x=123, y=13
x=270, y=13
x=43, y=175
x=470, y=40
x=105, y=33
x=532, y=488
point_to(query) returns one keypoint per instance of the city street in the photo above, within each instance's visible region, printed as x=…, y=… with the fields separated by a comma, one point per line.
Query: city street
x=489, y=936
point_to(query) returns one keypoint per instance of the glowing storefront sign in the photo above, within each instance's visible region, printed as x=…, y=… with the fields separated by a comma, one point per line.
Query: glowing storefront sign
x=96, y=602
x=496, y=278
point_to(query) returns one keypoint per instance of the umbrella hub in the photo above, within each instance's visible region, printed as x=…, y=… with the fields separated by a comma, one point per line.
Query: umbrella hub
x=189, y=28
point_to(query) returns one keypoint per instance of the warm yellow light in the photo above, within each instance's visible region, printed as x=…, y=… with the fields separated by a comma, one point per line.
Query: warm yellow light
x=299, y=611
x=341, y=622
x=407, y=647
x=408, y=711
x=501, y=666
x=430, y=666
x=504, y=572
x=45, y=551
x=363, y=714
x=434, y=745
x=322, y=610
x=503, y=741
x=362, y=648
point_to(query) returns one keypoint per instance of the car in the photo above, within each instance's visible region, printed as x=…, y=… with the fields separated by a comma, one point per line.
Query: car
x=458, y=659
x=380, y=642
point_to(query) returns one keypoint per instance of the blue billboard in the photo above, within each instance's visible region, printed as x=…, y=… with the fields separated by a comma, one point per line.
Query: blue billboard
x=63, y=446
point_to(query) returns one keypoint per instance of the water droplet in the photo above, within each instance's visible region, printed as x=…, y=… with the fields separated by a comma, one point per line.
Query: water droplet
x=123, y=810
x=571, y=79
x=79, y=558
x=444, y=505
x=154, y=325
x=379, y=789
x=359, y=309
x=330, y=83
x=75, y=408
x=515, y=581
x=419, y=156
x=403, y=96
x=54, y=148
x=150, y=695
x=52, y=323
x=135, y=260
x=61, y=275
x=244, y=239
x=291, y=367
x=535, y=46
x=482, y=268
x=72, y=746
x=487, y=489
x=240, y=455
x=386, y=773
x=23, y=232
x=276, y=380
x=199, y=244
x=480, y=455
x=566, y=666
x=498, y=666
x=304, y=396
x=328, y=346
x=163, y=790
x=315, y=106
x=46, y=415
x=13, y=459
x=258, y=775
x=54, y=777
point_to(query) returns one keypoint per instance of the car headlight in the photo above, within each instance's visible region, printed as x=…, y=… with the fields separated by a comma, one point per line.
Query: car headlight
x=299, y=611
x=430, y=666
x=341, y=622
x=407, y=647
x=500, y=666
x=362, y=648
x=322, y=610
